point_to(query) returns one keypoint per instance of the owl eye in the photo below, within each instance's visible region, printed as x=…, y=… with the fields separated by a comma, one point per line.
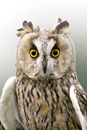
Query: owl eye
x=33, y=53
x=55, y=53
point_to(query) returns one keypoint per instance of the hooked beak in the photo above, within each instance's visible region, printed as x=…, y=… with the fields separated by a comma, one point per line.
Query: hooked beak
x=44, y=66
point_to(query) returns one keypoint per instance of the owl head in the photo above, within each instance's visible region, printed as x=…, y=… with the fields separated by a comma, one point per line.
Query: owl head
x=44, y=54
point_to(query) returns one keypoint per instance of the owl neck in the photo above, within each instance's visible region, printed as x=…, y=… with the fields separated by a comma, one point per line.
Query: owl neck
x=65, y=82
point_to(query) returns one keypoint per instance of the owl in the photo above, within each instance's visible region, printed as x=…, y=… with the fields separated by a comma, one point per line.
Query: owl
x=45, y=94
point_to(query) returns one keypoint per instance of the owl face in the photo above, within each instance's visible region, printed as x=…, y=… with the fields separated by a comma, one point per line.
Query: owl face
x=44, y=55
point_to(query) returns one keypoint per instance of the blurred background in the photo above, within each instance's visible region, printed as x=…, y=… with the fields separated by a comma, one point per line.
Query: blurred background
x=43, y=13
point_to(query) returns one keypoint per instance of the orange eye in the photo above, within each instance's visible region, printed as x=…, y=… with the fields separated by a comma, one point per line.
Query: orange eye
x=55, y=53
x=33, y=53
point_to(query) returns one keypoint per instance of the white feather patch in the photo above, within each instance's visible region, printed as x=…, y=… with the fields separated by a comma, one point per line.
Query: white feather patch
x=9, y=114
x=77, y=108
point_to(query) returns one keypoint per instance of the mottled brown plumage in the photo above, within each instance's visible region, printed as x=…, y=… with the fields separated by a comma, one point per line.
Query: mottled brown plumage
x=47, y=105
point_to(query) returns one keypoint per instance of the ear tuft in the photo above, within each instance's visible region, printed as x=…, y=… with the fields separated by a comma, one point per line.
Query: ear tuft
x=59, y=20
x=25, y=24
x=28, y=27
x=61, y=27
x=21, y=29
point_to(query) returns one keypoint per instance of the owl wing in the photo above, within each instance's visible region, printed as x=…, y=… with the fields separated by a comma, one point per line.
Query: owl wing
x=9, y=113
x=79, y=101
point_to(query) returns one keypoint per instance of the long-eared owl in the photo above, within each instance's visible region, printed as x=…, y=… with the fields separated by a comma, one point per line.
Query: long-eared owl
x=45, y=93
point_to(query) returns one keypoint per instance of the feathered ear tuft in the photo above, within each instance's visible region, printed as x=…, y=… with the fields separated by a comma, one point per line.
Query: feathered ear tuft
x=61, y=27
x=28, y=27
x=59, y=20
x=25, y=24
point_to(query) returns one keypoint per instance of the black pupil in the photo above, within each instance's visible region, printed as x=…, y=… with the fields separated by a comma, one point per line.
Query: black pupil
x=55, y=52
x=33, y=53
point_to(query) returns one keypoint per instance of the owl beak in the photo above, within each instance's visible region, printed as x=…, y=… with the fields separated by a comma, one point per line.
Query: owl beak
x=44, y=66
